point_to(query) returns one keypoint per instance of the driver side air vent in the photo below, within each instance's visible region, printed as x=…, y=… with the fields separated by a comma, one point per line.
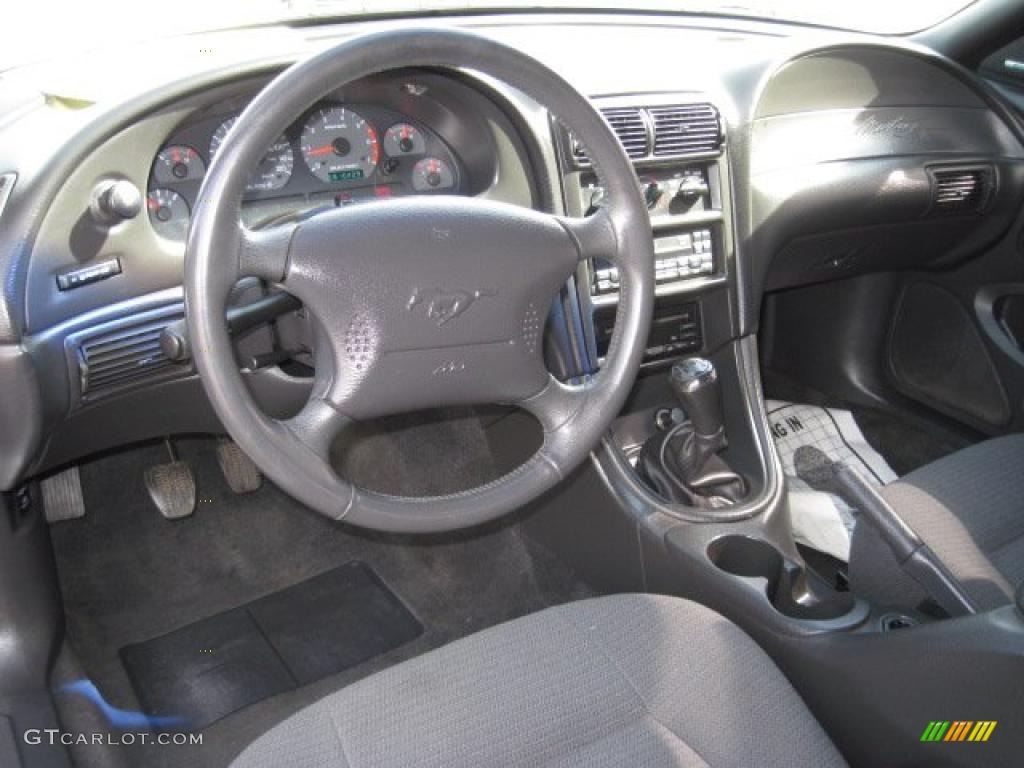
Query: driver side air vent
x=959, y=191
x=630, y=128
x=125, y=353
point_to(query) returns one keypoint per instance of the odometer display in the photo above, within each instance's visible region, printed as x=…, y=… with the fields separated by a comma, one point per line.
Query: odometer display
x=350, y=174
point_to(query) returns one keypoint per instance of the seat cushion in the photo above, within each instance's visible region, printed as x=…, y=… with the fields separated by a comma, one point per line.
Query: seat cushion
x=627, y=680
x=969, y=508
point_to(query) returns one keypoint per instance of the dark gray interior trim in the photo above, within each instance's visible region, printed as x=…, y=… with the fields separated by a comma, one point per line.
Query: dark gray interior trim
x=985, y=310
x=623, y=479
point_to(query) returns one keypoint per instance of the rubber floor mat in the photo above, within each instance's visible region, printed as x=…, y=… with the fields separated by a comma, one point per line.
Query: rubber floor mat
x=322, y=626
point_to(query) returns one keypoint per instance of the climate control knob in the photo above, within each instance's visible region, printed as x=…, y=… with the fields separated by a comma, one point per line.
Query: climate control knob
x=652, y=193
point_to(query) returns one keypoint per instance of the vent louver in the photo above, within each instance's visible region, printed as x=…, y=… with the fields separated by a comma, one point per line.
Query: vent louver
x=961, y=190
x=686, y=129
x=648, y=133
x=630, y=128
x=128, y=354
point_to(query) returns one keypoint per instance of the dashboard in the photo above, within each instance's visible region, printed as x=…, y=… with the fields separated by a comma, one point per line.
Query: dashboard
x=338, y=153
x=787, y=156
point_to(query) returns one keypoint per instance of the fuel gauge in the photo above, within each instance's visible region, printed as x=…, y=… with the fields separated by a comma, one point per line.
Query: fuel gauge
x=432, y=174
x=168, y=213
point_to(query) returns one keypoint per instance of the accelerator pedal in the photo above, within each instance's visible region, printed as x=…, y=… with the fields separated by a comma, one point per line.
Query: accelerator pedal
x=239, y=470
x=62, y=496
x=172, y=486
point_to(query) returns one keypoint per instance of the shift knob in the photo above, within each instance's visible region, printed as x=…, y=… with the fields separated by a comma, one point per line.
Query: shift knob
x=695, y=384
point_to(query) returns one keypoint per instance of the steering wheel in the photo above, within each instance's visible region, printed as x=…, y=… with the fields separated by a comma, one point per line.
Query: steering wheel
x=418, y=302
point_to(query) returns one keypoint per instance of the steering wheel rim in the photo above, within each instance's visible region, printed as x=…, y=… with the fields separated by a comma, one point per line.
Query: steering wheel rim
x=469, y=308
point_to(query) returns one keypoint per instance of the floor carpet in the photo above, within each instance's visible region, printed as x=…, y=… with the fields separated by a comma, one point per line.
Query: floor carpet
x=129, y=576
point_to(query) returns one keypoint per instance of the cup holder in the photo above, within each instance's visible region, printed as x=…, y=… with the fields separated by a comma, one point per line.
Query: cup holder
x=791, y=588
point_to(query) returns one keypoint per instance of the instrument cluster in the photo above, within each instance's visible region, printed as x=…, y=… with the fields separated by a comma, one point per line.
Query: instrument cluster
x=337, y=153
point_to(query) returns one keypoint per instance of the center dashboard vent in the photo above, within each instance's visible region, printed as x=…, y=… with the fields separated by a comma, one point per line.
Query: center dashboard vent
x=125, y=353
x=959, y=191
x=649, y=133
x=685, y=129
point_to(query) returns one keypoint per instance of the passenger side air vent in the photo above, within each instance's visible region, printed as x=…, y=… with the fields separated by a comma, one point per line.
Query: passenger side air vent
x=125, y=353
x=685, y=129
x=629, y=126
x=959, y=191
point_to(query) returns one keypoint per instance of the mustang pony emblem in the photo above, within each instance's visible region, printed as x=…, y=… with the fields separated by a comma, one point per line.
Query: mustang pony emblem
x=443, y=306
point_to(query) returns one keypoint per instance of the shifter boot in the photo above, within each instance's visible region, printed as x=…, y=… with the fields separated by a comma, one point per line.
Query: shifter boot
x=683, y=471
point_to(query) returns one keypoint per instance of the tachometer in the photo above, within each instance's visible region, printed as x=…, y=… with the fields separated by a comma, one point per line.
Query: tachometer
x=339, y=145
x=403, y=139
x=178, y=163
x=431, y=174
x=168, y=213
x=274, y=169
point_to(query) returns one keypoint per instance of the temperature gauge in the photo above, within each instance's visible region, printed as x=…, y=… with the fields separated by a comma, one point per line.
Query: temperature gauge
x=178, y=163
x=403, y=139
x=168, y=213
x=431, y=174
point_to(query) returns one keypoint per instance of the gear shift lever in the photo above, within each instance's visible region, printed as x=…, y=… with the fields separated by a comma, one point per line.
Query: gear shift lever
x=695, y=384
x=681, y=463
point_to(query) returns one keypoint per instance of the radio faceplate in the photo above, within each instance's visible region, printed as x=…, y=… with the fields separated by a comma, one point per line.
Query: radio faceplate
x=678, y=257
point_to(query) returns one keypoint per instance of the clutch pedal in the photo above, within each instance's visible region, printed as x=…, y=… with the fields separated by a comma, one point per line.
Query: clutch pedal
x=62, y=496
x=172, y=486
x=239, y=470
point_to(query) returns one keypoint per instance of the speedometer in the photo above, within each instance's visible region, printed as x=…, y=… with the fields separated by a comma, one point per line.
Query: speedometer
x=274, y=169
x=339, y=145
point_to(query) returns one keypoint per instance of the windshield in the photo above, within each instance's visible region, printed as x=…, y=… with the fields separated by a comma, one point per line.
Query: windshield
x=43, y=29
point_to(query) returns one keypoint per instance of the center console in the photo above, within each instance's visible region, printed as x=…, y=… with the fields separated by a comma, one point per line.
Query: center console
x=677, y=144
x=687, y=494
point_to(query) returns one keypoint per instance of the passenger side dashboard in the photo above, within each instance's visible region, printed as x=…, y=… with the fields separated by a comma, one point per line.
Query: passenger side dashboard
x=867, y=158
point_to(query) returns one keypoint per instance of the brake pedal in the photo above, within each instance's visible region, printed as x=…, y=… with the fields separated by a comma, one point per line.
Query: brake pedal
x=239, y=470
x=172, y=486
x=62, y=496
